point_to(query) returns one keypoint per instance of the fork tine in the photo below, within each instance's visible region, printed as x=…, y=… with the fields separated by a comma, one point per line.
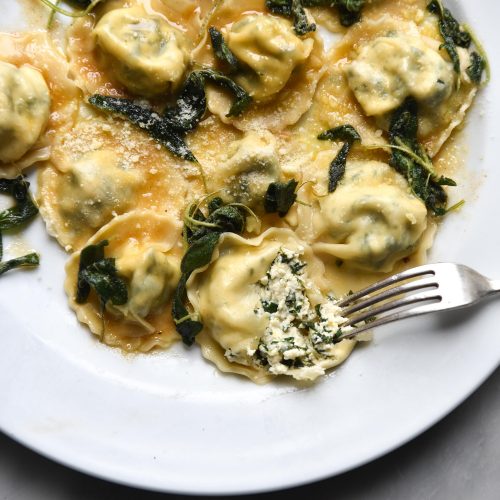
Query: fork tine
x=409, y=313
x=405, y=275
x=397, y=304
x=413, y=286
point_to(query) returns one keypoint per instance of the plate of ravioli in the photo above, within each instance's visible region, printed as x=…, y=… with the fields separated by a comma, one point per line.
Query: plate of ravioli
x=189, y=188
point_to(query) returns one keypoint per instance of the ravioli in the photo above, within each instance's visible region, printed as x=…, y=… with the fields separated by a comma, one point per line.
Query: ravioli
x=147, y=42
x=266, y=304
x=37, y=97
x=252, y=164
x=226, y=295
x=147, y=55
x=104, y=167
x=146, y=247
x=371, y=220
x=443, y=104
x=277, y=64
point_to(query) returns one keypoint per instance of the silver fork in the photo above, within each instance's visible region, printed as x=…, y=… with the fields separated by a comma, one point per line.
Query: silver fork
x=417, y=291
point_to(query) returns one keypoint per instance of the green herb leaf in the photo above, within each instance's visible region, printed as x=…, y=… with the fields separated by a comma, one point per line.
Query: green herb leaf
x=476, y=68
x=30, y=260
x=349, y=135
x=148, y=120
x=280, y=196
x=200, y=252
x=222, y=50
x=337, y=167
x=103, y=278
x=88, y=256
x=24, y=210
x=170, y=129
x=346, y=133
x=411, y=160
x=203, y=233
x=453, y=35
x=293, y=9
x=242, y=97
x=349, y=11
x=186, y=326
x=190, y=106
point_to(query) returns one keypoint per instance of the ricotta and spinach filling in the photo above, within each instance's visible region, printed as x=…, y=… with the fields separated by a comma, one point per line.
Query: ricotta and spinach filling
x=301, y=336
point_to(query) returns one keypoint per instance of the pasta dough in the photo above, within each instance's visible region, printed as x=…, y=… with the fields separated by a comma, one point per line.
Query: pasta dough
x=371, y=220
x=297, y=66
x=148, y=55
x=227, y=297
x=145, y=246
x=24, y=110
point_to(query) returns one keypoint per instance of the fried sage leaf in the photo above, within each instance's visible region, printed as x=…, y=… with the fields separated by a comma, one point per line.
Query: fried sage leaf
x=186, y=324
x=293, y=9
x=88, y=256
x=202, y=233
x=24, y=210
x=147, y=119
x=453, y=35
x=29, y=260
x=476, y=68
x=349, y=11
x=103, y=278
x=411, y=160
x=170, y=129
x=222, y=51
x=349, y=135
x=280, y=196
x=242, y=97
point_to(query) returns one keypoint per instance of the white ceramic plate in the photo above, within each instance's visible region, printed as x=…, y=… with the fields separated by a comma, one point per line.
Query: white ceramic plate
x=170, y=422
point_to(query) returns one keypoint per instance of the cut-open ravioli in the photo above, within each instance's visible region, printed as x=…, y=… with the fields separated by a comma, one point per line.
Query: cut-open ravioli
x=104, y=167
x=264, y=308
x=279, y=69
x=146, y=43
x=37, y=99
x=147, y=250
x=372, y=220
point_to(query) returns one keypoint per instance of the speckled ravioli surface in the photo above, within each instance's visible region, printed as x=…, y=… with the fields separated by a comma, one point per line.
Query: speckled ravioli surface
x=211, y=177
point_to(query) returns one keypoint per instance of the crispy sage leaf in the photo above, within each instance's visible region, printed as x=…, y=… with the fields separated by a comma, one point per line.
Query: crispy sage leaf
x=103, y=278
x=476, y=68
x=29, y=260
x=186, y=326
x=242, y=97
x=200, y=252
x=190, y=107
x=453, y=35
x=411, y=160
x=280, y=196
x=349, y=135
x=337, y=167
x=222, y=50
x=89, y=255
x=24, y=210
x=202, y=233
x=148, y=120
x=293, y=9
x=346, y=133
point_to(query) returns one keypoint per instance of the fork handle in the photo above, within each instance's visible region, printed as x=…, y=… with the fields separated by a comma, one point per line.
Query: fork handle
x=495, y=287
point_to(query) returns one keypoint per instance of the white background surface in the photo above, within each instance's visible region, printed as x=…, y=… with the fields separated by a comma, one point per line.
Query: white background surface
x=170, y=422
